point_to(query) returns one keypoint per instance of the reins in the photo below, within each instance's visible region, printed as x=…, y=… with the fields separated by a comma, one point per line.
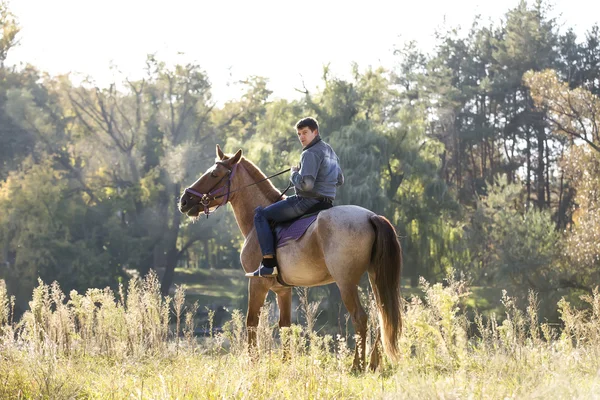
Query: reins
x=205, y=199
x=256, y=183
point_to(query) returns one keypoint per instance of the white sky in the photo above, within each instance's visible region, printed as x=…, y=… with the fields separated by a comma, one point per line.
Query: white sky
x=233, y=39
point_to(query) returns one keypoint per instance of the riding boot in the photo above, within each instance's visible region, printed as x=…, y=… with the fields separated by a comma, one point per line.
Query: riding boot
x=267, y=268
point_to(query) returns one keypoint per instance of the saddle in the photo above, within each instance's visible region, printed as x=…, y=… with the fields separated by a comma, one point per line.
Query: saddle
x=294, y=229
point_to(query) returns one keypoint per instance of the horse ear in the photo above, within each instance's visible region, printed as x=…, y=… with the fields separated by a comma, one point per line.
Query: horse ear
x=236, y=157
x=220, y=153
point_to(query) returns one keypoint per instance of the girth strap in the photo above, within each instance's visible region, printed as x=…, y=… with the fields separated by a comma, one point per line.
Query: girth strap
x=281, y=281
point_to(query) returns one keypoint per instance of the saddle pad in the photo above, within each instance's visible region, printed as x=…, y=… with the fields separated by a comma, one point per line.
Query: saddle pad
x=287, y=233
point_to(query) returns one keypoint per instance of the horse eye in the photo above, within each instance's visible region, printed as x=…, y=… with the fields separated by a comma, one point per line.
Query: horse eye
x=214, y=175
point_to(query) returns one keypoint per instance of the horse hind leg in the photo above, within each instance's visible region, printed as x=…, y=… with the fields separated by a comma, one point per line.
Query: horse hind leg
x=375, y=358
x=351, y=300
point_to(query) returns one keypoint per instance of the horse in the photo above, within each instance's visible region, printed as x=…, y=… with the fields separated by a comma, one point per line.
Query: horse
x=341, y=245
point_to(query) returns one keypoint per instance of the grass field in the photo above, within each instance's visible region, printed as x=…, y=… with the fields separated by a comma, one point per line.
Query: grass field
x=138, y=345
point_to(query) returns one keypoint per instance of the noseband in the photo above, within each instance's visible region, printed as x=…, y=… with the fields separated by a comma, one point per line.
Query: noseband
x=206, y=198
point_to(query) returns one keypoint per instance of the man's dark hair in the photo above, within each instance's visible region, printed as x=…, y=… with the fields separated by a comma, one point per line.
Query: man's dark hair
x=308, y=122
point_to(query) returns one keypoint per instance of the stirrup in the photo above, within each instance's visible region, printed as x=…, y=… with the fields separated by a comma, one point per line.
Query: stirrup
x=263, y=272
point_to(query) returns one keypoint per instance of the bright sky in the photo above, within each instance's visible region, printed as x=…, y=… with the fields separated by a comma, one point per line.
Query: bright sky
x=232, y=39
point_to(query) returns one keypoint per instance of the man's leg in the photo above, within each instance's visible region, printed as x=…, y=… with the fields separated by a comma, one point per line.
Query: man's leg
x=284, y=210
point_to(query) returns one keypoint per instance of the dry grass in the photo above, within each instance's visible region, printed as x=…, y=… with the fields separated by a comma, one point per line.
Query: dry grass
x=137, y=344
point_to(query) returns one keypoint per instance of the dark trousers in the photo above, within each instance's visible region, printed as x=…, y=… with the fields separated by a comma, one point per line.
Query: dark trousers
x=284, y=210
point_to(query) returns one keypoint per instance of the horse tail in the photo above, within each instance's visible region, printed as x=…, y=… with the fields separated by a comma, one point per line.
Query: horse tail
x=386, y=264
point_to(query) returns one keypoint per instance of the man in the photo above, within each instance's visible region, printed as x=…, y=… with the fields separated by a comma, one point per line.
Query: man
x=316, y=180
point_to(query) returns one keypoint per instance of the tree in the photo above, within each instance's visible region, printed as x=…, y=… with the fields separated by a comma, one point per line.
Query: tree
x=156, y=126
x=9, y=29
x=512, y=243
x=575, y=114
x=15, y=143
x=571, y=112
x=48, y=231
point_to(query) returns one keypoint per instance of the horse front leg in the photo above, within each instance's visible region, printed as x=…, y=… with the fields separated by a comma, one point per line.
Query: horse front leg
x=257, y=293
x=284, y=302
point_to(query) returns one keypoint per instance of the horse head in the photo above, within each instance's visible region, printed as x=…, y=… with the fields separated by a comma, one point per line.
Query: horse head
x=212, y=189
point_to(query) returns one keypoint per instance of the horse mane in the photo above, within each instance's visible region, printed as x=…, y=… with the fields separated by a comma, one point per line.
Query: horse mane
x=270, y=191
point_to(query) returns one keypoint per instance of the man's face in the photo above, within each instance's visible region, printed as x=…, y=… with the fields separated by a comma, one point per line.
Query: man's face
x=306, y=135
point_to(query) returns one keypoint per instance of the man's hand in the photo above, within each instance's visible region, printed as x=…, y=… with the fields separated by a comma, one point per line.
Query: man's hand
x=295, y=168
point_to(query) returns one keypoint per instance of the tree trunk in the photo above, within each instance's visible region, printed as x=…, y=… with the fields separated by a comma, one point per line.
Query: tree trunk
x=206, y=249
x=560, y=216
x=547, y=173
x=172, y=251
x=135, y=179
x=167, y=279
x=395, y=182
x=541, y=168
x=457, y=154
x=528, y=177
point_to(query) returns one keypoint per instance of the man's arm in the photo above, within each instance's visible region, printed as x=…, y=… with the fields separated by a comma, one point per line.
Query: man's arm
x=340, y=177
x=306, y=183
x=304, y=179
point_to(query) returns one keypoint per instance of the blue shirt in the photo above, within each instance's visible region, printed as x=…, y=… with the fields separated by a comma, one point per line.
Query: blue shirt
x=320, y=173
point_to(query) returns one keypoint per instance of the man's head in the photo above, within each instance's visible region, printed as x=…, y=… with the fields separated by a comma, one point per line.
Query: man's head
x=308, y=129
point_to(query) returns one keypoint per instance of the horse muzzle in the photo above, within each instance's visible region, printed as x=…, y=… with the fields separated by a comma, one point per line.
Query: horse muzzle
x=187, y=203
x=192, y=205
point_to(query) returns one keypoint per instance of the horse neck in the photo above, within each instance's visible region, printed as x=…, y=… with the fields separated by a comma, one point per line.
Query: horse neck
x=248, y=199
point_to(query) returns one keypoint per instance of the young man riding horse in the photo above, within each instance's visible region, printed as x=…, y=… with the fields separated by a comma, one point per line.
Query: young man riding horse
x=315, y=181
x=341, y=245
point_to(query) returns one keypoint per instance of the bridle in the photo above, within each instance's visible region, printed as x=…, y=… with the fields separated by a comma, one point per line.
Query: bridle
x=207, y=198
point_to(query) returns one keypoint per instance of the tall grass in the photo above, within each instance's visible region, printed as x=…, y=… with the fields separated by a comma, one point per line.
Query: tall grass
x=138, y=344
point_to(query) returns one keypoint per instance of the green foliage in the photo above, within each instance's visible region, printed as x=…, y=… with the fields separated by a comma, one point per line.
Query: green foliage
x=514, y=244
x=48, y=232
x=9, y=30
x=360, y=144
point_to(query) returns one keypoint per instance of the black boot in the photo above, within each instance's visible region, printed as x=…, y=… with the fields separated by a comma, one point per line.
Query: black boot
x=268, y=268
